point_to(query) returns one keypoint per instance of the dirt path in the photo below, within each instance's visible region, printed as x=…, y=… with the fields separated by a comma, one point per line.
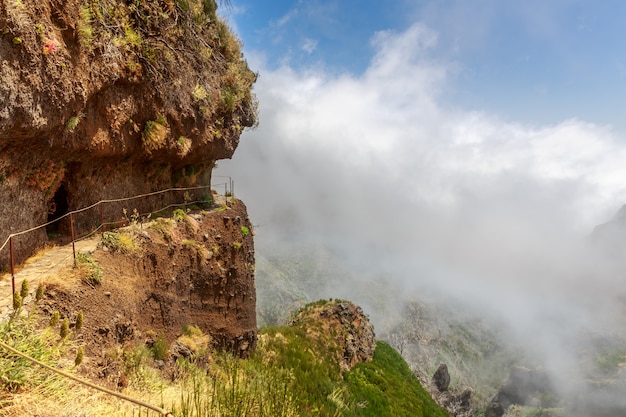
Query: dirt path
x=38, y=268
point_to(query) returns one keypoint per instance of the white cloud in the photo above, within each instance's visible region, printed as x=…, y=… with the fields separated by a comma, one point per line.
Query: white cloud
x=309, y=45
x=375, y=167
x=388, y=123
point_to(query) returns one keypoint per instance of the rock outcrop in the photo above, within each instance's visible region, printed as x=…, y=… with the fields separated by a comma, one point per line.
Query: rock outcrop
x=458, y=404
x=346, y=327
x=108, y=99
x=441, y=378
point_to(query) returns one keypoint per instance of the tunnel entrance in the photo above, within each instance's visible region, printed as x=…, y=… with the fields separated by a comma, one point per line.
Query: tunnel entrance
x=57, y=207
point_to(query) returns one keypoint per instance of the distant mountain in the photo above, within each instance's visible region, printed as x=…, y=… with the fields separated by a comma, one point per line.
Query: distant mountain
x=612, y=234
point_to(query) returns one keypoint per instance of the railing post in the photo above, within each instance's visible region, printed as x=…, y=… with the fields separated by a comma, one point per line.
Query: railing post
x=72, y=232
x=102, y=226
x=12, y=268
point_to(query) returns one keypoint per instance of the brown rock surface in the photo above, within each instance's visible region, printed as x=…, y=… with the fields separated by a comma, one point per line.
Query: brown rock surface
x=198, y=271
x=110, y=99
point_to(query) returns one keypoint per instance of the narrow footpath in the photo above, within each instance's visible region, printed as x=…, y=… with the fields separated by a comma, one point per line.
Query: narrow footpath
x=39, y=268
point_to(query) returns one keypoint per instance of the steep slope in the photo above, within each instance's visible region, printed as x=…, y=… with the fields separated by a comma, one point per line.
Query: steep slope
x=151, y=281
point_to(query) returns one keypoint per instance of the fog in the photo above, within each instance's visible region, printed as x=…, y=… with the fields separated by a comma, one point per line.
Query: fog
x=492, y=212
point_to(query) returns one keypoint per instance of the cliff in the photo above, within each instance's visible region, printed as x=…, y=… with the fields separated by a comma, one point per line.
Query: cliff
x=109, y=99
x=150, y=281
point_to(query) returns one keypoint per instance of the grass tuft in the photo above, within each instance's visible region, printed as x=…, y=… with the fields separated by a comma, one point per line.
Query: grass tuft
x=89, y=270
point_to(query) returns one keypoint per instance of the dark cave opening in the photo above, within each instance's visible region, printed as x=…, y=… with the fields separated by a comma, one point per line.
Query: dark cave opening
x=57, y=208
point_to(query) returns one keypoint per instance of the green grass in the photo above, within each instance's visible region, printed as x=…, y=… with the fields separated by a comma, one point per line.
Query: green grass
x=387, y=387
x=90, y=271
x=119, y=242
x=16, y=373
x=383, y=387
x=163, y=226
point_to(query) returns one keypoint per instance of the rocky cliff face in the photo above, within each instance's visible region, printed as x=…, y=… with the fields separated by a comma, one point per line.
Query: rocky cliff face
x=158, y=278
x=109, y=99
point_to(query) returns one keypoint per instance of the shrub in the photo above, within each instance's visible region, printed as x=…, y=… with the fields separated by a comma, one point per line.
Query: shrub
x=122, y=242
x=159, y=349
x=245, y=231
x=17, y=373
x=90, y=271
x=206, y=201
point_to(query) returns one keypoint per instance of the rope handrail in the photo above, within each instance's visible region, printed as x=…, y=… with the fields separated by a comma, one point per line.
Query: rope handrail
x=114, y=200
x=86, y=383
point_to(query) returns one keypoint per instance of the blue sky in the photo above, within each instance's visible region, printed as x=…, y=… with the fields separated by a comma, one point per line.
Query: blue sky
x=529, y=61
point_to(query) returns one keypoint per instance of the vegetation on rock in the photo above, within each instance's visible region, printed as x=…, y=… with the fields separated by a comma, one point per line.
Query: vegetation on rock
x=292, y=373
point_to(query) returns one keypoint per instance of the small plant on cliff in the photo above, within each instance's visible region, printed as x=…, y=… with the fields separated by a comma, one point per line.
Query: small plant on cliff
x=54, y=319
x=39, y=293
x=79, y=321
x=72, y=122
x=179, y=215
x=164, y=227
x=154, y=134
x=245, y=231
x=199, y=93
x=119, y=242
x=64, y=331
x=159, y=349
x=79, y=356
x=24, y=289
x=17, y=301
x=85, y=30
x=184, y=145
x=90, y=271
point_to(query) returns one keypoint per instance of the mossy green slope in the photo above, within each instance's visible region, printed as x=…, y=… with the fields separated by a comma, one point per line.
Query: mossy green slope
x=383, y=387
x=387, y=387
